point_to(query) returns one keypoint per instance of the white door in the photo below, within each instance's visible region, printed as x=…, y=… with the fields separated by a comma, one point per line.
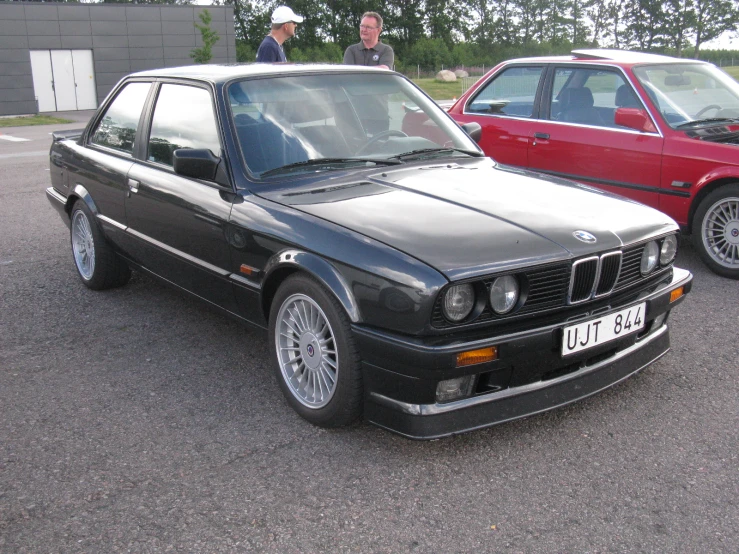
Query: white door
x=43, y=80
x=64, y=85
x=63, y=80
x=84, y=77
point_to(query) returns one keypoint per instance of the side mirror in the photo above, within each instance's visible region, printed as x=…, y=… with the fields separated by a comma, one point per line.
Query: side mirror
x=634, y=118
x=198, y=163
x=474, y=130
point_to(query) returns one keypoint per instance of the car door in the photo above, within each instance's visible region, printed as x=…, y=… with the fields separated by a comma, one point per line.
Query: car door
x=576, y=136
x=101, y=166
x=506, y=108
x=179, y=224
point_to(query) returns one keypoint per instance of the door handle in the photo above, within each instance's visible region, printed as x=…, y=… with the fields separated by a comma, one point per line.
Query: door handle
x=543, y=136
x=133, y=185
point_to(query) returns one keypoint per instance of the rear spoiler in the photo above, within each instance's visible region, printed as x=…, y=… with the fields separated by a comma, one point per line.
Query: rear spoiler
x=74, y=134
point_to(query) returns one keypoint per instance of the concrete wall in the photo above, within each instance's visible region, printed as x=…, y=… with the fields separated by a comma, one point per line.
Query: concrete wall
x=123, y=39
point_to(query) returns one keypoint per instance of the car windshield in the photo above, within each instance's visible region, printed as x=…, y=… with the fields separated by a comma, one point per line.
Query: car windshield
x=339, y=120
x=689, y=94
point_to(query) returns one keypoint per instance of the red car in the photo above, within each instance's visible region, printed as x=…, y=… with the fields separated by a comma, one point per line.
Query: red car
x=662, y=131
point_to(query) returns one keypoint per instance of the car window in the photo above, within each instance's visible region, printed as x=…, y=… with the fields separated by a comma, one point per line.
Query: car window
x=511, y=92
x=286, y=120
x=687, y=93
x=590, y=96
x=183, y=118
x=117, y=128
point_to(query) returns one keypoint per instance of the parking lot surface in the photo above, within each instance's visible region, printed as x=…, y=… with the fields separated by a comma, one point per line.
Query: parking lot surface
x=138, y=420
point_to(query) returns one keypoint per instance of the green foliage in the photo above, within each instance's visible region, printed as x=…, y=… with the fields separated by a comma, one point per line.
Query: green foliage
x=204, y=53
x=31, y=120
x=245, y=52
x=325, y=53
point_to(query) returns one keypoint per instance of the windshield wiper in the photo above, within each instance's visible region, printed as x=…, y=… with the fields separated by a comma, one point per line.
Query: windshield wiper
x=707, y=120
x=327, y=163
x=423, y=152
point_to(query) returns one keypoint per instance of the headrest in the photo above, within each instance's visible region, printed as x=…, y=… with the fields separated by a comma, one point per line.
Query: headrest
x=577, y=98
x=625, y=97
x=238, y=95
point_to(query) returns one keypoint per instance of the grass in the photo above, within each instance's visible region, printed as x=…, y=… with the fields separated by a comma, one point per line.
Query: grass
x=31, y=120
x=733, y=71
x=440, y=91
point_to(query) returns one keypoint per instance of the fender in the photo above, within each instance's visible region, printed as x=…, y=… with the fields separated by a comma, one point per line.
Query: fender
x=723, y=172
x=321, y=270
x=81, y=192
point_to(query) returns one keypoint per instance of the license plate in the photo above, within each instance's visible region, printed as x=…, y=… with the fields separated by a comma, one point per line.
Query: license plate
x=603, y=329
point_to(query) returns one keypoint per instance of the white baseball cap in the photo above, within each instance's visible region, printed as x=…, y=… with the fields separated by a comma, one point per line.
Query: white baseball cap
x=283, y=14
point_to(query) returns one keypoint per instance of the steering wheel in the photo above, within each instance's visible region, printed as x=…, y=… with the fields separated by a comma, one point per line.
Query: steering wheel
x=709, y=107
x=379, y=136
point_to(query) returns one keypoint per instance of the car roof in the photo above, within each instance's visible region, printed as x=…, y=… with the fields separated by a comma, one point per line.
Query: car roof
x=606, y=55
x=224, y=72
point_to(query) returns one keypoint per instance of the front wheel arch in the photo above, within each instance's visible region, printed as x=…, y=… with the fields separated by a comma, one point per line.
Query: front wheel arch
x=288, y=262
x=705, y=190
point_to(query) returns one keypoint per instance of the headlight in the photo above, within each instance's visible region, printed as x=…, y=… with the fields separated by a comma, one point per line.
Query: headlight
x=458, y=302
x=668, y=250
x=504, y=294
x=649, y=257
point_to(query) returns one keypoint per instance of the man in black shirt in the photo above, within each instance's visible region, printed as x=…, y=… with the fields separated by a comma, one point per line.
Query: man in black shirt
x=284, y=23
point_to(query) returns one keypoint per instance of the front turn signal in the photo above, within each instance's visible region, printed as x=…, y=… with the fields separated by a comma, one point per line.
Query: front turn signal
x=677, y=293
x=482, y=355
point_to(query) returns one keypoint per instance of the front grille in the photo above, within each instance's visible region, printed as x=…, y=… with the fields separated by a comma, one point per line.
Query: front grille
x=553, y=287
x=594, y=277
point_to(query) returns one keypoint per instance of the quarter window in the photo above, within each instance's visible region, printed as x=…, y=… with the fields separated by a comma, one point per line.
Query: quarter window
x=511, y=92
x=117, y=128
x=183, y=118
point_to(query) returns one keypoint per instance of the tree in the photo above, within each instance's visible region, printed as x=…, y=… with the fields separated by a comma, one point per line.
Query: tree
x=204, y=53
x=712, y=19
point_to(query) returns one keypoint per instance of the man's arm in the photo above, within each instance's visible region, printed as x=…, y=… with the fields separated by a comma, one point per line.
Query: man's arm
x=387, y=58
x=348, y=56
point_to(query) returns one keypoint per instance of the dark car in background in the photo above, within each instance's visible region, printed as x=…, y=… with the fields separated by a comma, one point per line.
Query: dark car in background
x=663, y=131
x=401, y=275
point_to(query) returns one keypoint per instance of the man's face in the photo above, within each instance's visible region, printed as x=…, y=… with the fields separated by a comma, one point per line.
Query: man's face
x=368, y=30
x=290, y=28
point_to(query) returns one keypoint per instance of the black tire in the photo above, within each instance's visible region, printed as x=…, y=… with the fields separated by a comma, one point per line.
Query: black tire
x=300, y=308
x=716, y=231
x=98, y=266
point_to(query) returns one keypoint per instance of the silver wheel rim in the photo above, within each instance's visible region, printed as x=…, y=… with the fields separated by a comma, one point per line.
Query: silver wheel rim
x=720, y=232
x=83, y=245
x=306, y=351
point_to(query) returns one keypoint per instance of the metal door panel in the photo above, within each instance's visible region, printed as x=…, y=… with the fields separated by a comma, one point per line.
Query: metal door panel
x=43, y=80
x=84, y=78
x=64, y=86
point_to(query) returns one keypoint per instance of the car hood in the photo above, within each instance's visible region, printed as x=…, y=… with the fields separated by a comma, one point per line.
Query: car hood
x=473, y=217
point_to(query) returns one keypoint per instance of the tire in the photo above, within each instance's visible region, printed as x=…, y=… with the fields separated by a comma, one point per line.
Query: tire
x=315, y=358
x=716, y=230
x=98, y=266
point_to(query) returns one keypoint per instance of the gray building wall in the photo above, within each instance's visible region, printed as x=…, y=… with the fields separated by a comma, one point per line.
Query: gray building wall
x=123, y=39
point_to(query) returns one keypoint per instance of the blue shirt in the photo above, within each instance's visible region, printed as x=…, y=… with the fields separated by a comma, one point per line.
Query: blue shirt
x=270, y=51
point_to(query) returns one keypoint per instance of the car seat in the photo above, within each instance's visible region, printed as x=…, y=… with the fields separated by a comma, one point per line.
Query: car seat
x=577, y=107
x=625, y=98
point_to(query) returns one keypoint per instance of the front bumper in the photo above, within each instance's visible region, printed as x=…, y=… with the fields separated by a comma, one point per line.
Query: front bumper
x=401, y=375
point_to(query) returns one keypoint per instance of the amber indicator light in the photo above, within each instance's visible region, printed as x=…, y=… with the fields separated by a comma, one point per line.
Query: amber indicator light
x=472, y=357
x=248, y=270
x=675, y=294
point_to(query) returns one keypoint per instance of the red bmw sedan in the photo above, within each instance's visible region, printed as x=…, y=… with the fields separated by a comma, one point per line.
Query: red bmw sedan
x=660, y=130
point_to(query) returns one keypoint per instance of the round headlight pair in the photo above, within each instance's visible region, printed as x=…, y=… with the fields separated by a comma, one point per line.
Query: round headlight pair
x=653, y=254
x=459, y=300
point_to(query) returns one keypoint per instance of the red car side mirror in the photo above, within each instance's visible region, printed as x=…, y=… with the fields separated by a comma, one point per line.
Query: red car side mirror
x=634, y=118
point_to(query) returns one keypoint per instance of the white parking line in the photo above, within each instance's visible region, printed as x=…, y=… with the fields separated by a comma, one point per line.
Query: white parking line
x=13, y=139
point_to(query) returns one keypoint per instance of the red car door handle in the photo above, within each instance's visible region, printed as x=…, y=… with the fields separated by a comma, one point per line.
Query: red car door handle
x=541, y=136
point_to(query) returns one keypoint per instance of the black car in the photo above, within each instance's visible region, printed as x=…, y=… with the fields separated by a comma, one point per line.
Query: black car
x=402, y=276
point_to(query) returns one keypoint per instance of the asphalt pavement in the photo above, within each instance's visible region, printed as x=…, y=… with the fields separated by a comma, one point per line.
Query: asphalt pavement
x=138, y=420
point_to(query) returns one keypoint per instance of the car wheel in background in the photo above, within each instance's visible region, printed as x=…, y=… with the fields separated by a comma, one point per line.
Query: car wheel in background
x=317, y=362
x=97, y=264
x=716, y=230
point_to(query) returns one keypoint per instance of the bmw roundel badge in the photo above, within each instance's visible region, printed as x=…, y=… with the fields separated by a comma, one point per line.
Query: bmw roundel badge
x=584, y=236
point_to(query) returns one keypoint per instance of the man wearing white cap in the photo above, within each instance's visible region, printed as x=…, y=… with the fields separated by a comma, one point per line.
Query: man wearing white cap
x=284, y=23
